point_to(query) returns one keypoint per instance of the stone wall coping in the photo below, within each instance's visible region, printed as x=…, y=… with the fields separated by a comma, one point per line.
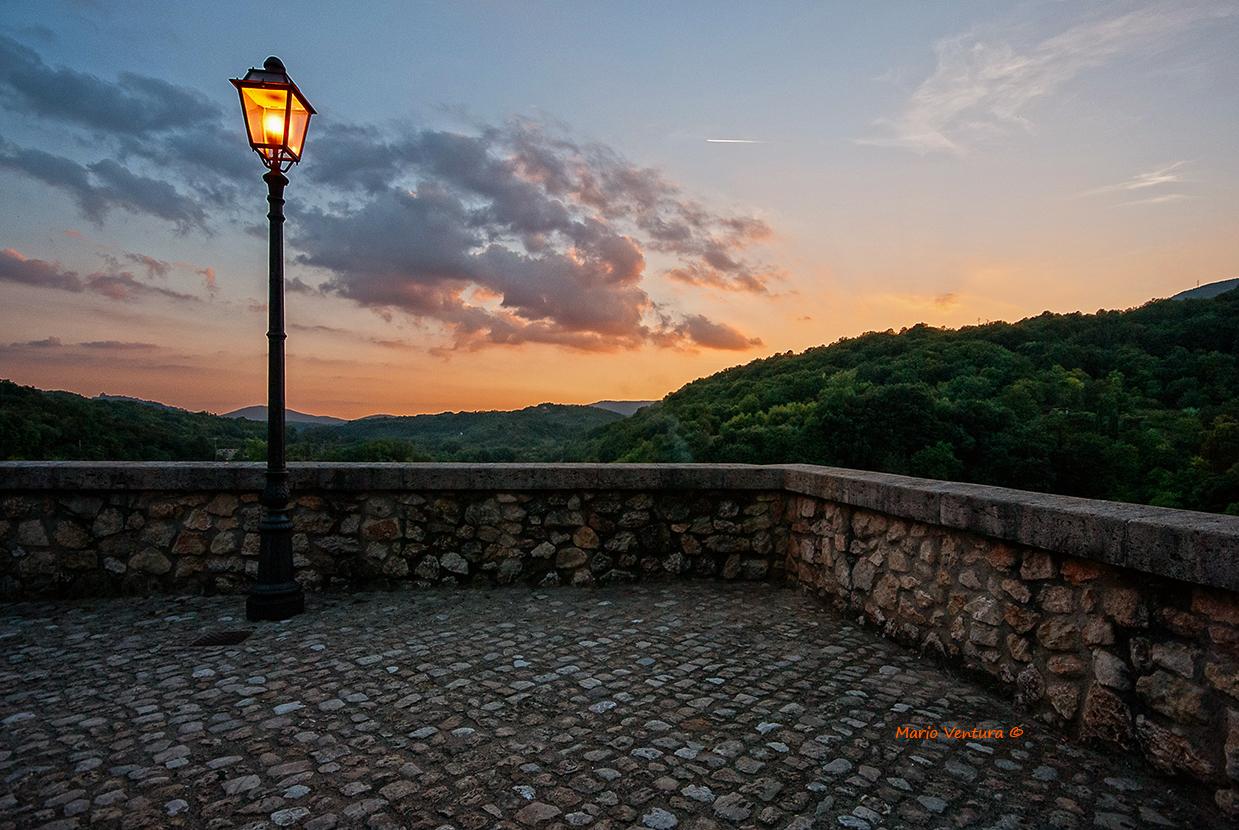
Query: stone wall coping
x=1195, y=547
x=161, y=475
x=1181, y=544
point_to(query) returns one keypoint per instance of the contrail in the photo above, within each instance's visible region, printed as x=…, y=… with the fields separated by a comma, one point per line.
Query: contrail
x=735, y=141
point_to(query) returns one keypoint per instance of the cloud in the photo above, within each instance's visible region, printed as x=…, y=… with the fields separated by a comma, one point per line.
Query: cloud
x=114, y=284
x=1153, y=200
x=123, y=286
x=48, y=343
x=1162, y=175
x=16, y=268
x=106, y=184
x=980, y=86
x=517, y=235
x=179, y=130
x=134, y=105
x=710, y=335
x=116, y=345
x=1154, y=178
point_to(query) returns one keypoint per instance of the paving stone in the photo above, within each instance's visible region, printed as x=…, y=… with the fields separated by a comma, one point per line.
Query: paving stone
x=697, y=705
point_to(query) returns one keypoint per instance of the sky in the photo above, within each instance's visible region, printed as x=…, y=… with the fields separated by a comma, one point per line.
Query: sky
x=507, y=203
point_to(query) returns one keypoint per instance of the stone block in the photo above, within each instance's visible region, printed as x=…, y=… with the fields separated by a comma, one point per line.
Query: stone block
x=983, y=635
x=1217, y=606
x=1059, y=634
x=1057, y=599
x=380, y=529
x=1181, y=622
x=1079, y=571
x=189, y=543
x=151, y=561
x=1170, y=752
x=1126, y=608
x=1098, y=632
x=1037, y=565
x=1174, y=697
x=1020, y=619
x=1017, y=590
x=31, y=533
x=427, y=569
x=1176, y=657
x=1001, y=557
x=1018, y=648
x=886, y=592
x=72, y=535
x=1065, y=699
x=1223, y=679
x=1065, y=665
x=159, y=534
x=863, y=574
x=984, y=610
x=1110, y=671
x=571, y=558
x=108, y=521
x=1107, y=717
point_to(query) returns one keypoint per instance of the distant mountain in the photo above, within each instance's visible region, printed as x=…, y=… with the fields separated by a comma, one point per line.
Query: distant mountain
x=1207, y=291
x=622, y=407
x=291, y=416
x=536, y=433
x=128, y=399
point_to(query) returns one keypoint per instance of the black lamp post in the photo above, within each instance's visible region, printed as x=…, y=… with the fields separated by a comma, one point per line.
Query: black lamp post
x=276, y=118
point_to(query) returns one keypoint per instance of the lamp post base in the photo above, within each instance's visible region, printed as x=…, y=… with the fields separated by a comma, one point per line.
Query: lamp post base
x=274, y=602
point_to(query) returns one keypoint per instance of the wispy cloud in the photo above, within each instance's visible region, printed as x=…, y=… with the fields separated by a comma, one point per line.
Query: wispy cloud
x=1153, y=200
x=1160, y=176
x=113, y=283
x=982, y=83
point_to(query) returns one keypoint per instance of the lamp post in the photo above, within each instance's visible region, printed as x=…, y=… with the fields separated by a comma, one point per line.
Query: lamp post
x=276, y=118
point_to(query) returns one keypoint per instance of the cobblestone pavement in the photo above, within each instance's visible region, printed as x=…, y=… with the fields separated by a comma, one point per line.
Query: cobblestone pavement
x=695, y=705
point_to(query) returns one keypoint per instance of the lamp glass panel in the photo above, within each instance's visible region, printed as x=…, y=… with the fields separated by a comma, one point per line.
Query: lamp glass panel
x=298, y=122
x=264, y=118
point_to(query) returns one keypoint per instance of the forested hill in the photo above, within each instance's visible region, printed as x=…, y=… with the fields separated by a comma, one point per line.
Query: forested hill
x=37, y=425
x=536, y=433
x=1139, y=405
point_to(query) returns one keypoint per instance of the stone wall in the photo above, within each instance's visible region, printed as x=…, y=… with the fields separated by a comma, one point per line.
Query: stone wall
x=357, y=525
x=1117, y=624
x=1105, y=653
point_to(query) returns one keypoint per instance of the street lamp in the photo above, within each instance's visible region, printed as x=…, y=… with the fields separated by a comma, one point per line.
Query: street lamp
x=276, y=118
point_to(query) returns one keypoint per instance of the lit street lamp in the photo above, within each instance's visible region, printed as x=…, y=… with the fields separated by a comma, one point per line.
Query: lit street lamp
x=276, y=118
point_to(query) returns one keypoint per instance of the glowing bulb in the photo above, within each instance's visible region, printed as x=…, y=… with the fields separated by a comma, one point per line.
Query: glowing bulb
x=273, y=124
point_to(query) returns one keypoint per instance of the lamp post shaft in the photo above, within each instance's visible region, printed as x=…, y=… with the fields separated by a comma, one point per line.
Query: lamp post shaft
x=277, y=596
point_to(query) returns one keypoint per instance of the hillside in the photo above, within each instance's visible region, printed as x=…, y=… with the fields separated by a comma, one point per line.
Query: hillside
x=41, y=426
x=1139, y=405
x=536, y=433
x=37, y=425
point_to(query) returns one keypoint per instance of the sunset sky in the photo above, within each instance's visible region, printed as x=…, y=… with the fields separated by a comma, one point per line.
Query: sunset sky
x=507, y=203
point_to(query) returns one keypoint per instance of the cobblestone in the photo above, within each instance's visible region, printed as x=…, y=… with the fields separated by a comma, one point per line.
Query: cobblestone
x=696, y=705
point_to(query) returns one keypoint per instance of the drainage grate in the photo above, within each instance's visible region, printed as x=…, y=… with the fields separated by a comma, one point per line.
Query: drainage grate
x=222, y=638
